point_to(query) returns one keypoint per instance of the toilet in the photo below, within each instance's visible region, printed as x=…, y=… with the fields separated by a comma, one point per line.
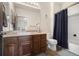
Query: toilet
x=51, y=42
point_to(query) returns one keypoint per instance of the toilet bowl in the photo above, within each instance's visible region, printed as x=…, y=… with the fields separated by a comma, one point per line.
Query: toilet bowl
x=51, y=43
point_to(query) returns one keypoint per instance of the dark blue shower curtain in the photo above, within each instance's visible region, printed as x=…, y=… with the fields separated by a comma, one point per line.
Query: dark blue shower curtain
x=61, y=28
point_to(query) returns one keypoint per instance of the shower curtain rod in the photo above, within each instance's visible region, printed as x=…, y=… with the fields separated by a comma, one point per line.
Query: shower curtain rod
x=73, y=5
x=68, y=6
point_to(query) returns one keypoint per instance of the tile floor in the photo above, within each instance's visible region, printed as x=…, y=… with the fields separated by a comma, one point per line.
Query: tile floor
x=62, y=52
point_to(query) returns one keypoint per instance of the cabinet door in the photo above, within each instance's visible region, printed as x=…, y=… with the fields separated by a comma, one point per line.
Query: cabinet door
x=10, y=46
x=43, y=40
x=43, y=43
x=36, y=44
x=43, y=49
x=25, y=45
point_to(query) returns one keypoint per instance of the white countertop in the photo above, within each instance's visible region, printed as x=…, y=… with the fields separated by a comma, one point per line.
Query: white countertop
x=21, y=33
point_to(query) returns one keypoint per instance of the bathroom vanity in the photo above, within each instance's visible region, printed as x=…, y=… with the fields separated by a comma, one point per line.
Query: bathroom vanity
x=23, y=44
x=19, y=42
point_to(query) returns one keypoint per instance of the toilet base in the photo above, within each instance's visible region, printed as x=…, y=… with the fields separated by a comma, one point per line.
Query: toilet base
x=52, y=47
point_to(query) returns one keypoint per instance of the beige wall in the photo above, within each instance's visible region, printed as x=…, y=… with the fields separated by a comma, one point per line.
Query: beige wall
x=66, y=4
x=45, y=17
x=57, y=7
x=52, y=17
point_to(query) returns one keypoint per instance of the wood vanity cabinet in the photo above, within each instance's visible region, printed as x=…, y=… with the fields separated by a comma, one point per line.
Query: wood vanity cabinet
x=36, y=44
x=43, y=42
x=17, y=46
x=25, y=45
x=10, y=46
x=39, y=44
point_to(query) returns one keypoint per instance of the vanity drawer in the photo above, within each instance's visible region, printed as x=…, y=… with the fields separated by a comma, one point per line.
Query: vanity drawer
x=25, y=39
x=10, y=40
x=36, y=38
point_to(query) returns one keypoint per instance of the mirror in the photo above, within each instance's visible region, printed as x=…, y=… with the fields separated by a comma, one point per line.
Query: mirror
x=22, y=23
